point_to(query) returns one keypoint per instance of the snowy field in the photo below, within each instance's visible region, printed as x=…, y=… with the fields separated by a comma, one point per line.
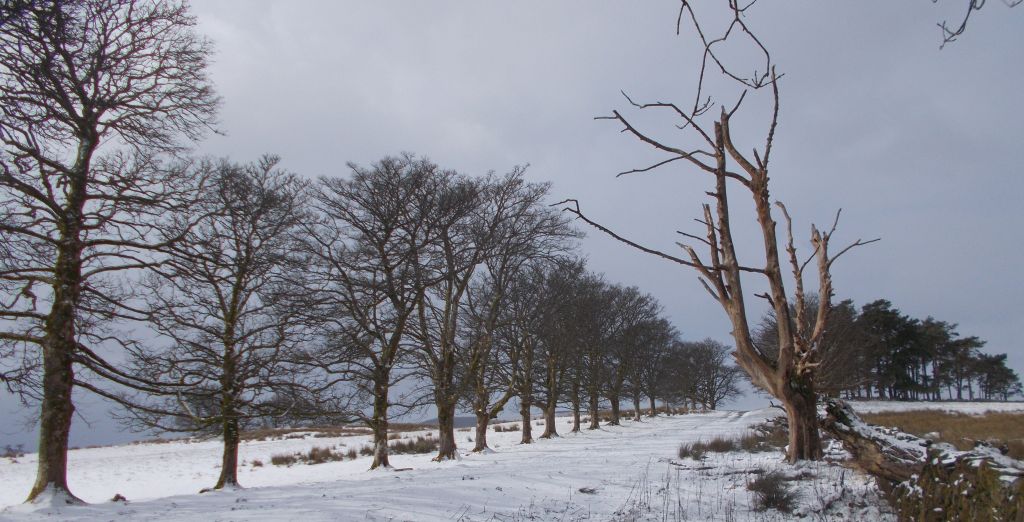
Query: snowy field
x=628, y=472
x=971, y=408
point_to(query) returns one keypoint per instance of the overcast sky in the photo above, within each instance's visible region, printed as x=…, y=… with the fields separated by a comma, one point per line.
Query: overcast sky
x=918, y=146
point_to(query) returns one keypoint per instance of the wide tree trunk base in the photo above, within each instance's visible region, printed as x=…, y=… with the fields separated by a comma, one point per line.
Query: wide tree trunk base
x=802, y=420
x=55, y=496
x=441, y=457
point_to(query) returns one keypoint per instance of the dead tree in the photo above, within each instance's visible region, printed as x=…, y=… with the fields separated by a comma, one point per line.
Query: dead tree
x=75, y=76
x=790, y=377
x=950, y=33
x=223, y=302
x=368, y=247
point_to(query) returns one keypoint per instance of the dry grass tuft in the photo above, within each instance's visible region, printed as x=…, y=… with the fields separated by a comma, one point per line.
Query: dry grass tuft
x=959, y=429
x=283, y=459
x=697, y=450
x=12, y=452
x=765, y=437
x=319, y=455
x=693, y=451
x=772, y=492
x=297, y=433
x=316, y=455
x=417, y=445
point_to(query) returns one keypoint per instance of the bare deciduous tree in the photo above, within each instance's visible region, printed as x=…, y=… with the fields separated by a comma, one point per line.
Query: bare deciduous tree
x=369, y=247
x=713, y=379
x=519, y=337
x=629, y=314
x=557, y=340
x=222, y=299
x=531, y=231
x=790, y=376
x=75, y=76
x=654, y=339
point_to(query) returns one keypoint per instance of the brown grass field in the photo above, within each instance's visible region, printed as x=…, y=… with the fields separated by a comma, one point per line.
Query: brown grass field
x=959, y=429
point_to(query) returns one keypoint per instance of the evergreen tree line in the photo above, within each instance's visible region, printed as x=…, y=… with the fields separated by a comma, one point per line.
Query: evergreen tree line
x=878, y=352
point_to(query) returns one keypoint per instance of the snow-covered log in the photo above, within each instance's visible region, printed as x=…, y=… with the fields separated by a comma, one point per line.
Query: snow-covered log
x=883, y=452
x=931, y=481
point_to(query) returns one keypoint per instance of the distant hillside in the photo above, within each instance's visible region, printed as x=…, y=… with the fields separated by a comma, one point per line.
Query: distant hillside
x=460, y=422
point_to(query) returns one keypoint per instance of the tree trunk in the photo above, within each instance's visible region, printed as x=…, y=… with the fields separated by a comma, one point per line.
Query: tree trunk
x=445, y=432
x=575, y=417
x=550, y=431
x=575, y=407
x=524, y=414
x=594, y=414
x=229, y=459
x=636, y=407
x=55, y=423
x=379, y=425
x=615, y=410
x=57, y=408
x=480, y=442
x=654, y=409
x=798, y=398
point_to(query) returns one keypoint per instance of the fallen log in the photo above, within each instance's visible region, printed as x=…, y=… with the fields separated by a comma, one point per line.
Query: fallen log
x=931, y=481
x=882, y=452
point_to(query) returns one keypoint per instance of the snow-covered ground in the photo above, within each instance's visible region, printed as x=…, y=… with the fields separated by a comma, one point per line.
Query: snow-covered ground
x=971, y=408
x=628, y=472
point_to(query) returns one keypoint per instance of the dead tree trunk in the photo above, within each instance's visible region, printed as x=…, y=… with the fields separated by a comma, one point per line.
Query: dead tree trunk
x=883, y=453
x=787, y=374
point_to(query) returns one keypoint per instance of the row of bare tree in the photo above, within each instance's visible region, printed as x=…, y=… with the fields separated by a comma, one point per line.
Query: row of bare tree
x=363, y=298
x=366, y=297
x=206, y=295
